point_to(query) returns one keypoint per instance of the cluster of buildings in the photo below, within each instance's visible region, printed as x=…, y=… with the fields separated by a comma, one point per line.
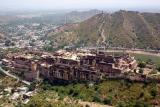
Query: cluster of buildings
x=14, y=94
x=68, y=66
x=25, y=35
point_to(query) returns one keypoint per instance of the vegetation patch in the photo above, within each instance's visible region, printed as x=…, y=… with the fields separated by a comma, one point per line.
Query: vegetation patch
x=119, y=93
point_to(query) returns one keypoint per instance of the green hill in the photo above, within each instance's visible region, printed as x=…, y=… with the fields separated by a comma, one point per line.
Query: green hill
x=120, y=29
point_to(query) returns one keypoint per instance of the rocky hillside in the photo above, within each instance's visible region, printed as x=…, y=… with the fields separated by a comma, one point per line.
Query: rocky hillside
x=120, y=29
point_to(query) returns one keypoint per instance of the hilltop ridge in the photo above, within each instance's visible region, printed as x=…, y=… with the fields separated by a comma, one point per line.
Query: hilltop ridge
x=129, y=29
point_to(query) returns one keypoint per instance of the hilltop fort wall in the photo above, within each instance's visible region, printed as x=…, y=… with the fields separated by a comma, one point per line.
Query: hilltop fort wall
x=68, y=66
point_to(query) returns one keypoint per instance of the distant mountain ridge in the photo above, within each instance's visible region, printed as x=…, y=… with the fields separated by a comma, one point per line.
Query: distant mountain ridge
x=78, y=16
x=127, y=29
x=48, y=17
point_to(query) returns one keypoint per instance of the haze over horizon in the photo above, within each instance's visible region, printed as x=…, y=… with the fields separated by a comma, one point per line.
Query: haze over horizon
x=111, y=5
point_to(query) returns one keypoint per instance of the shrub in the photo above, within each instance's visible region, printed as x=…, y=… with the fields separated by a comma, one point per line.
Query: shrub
x=70, y=91
x=158, y=68
x=32, y=86
x=149, y=61
x=87, y=105
x=48, y=48
x=141, y=104
x=46, y=86
x=97, y=98
x=110, y=90
x=142, y=65
x=141, y=95
x=154, y=92
x=121, y=104
x=75, y=94
x=141, y=71
x=96, y=88
x=49, y=105
x=33, y=104
x=107, y=101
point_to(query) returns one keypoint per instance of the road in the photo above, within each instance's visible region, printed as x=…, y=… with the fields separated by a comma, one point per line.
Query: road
x=132, y=51
x=13, y=76
x=135, y=52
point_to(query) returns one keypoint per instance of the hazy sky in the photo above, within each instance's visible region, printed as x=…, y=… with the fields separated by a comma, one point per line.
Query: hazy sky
x=81, y=4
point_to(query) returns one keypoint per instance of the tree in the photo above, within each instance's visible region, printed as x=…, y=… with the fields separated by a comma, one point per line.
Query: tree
x=75, y=94
x=12, y=44
x=107, y=101
x=141, y=70
x=142, y=65
x=141, y=95
x=87, y=105
x=154, y=92
x=141, y=104
x=19, y=104
x=7, y=42
x=49, y=105
x=33, y=104
x=121, y=104
x=48, y=48
x=32, y=43
x=32, y=86
x=46, y=86
x=71, y=91
x=97, y=98
x=150, y=61
x=158, y=68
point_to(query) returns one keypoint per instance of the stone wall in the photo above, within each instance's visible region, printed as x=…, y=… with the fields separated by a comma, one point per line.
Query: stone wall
x=87, y=68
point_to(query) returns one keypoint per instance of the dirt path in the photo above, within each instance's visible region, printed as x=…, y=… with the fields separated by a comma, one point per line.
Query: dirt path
x=92, y=104
x=13, y=76
x=101, y=31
